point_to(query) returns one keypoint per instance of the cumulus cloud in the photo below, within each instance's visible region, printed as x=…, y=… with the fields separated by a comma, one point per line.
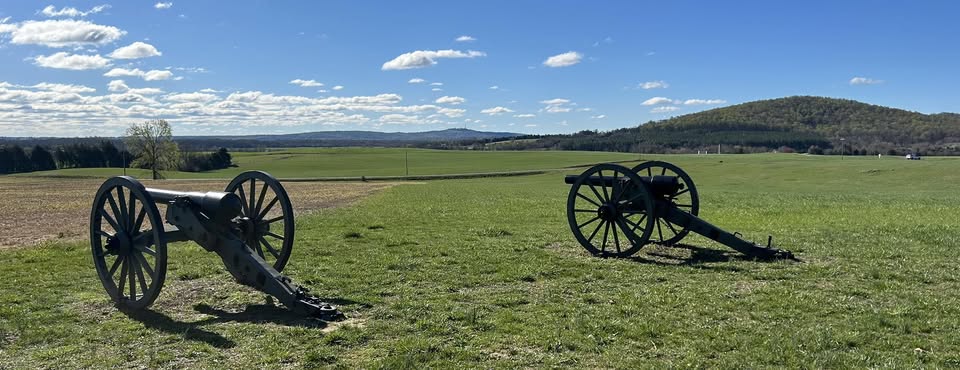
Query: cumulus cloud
x=337, y=88
x=64, y=33
x=526, y=115
x=436, y=84
x=465, y=38
x=416, y=81
x=76, y=62
x=599, y=116
x=665, y=109
x=659, y=100
x=704, y=101
x=653, y=85
x=51, y=11
x=196, y=97
x=153, y=75
x=436, y=89
x=563, y=60
x=495, y=111
x=864, y=81
x=557, y=105
x=306, y=83
x=494, y=87
x=63, y=88
x=426, y=58
x=163, y=5
x=135, y=50
x=454, y=100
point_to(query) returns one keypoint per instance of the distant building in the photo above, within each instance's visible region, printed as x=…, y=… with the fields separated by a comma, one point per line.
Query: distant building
x=912, y=156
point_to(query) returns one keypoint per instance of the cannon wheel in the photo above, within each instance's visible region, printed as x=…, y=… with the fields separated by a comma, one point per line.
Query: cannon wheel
x=686, y=198
x=622, y=210
x=266, y=222
x=127, y=238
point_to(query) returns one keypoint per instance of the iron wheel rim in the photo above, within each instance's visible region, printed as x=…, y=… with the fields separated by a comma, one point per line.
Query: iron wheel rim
x=258, y=211
x=686, y=198
x=625, y=210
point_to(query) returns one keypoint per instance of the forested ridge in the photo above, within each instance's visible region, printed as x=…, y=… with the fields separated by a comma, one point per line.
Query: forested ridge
x=800, y=123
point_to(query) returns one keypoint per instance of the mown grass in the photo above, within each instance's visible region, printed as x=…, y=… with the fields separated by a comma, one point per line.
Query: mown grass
x=357, y=162
x=485, y=273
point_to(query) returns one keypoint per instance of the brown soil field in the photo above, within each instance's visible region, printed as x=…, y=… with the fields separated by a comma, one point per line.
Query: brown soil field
x=34, y=210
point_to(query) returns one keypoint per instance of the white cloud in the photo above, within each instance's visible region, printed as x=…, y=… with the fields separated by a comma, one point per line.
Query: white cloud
x=416, y=81
x=121, y=86
x=704, y=101
x=76, y=62
x=436, y=84
x=465, y=38
x=494, y=87
x=306, y=83
x=153, y=75
x=338, y=87
x=450, y=100
x=657, y=101
x=51, y=11
x=163, y=5
x=196, y=97
x=496, y=111
x=526, y=115
x=653, y=85
x=436, y=89
x=557, y=105
x=426, y=58
x=563, y=60
x=63, y=88
x=63, y=33
x=864, y=81
x=557, y=101
x=599, y=116
x=135, y=50
x=666, y=109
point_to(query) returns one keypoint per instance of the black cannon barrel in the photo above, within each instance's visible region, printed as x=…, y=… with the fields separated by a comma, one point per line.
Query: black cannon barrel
x=215, y=204
x=660, y=185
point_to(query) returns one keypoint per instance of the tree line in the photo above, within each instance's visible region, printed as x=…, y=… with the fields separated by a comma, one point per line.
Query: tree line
x=17, y=159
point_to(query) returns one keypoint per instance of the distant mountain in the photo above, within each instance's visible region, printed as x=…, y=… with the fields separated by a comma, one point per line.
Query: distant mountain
x=792, y=123
x=454, y=134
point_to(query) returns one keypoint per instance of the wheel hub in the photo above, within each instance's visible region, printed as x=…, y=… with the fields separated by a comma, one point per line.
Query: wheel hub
x=607, y=212
x=120, y=244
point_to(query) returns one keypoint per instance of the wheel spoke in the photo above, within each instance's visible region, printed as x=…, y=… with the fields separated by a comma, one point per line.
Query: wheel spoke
x=144, y=263
x=606, y=229
x=123, y=274
x=588, y=199
x=659, y=231
x=263, y=194
x=274, y=235
x=243, y=200
x=672, y=229
x=132, y=203
x=123, y=217
x=269, y=247
x=113, y=269
x=623, y=229
x=104, y=234
x=275, y=219
x=139, y=222
x=616, y=240
x=685, y=205
x=585, y=210
x=133, y=278
x=143, y=282
x=649, y=174
x=263, y=213
x=663, y=171
x=606, y=197
x=110, y=220
x=680, y=193
x=588, y=222
x=253, y=192
x=117, y=222
x=594, y=233
x=254, y=244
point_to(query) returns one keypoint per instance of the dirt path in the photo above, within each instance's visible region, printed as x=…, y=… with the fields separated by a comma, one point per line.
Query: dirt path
x=33, y=210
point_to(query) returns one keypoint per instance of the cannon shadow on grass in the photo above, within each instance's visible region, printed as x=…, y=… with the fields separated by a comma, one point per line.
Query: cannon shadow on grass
x=699, y=257
x=253, y=313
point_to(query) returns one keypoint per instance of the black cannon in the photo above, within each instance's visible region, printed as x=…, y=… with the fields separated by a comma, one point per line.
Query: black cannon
x=654, y=202
x=250, y=226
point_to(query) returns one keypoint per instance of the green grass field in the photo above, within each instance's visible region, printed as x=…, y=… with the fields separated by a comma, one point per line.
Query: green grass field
x=356, y=162
x=485, y=273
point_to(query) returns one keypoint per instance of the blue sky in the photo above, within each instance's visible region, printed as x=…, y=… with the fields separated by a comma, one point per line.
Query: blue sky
x=92, y=68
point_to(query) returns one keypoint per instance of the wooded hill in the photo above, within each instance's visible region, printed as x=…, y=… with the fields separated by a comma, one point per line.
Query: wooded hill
x=800, y=123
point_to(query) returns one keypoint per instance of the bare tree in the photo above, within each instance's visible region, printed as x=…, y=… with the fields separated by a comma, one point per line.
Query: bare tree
x=152, y=143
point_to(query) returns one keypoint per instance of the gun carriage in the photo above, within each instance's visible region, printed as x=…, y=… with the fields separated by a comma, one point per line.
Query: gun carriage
x=615, y=211
x=250, y=225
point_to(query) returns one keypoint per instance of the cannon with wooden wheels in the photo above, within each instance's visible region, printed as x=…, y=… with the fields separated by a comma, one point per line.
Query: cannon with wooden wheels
x=250, y=226
x=615, y=211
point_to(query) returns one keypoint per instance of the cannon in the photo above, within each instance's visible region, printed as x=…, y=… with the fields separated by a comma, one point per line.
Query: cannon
x=654, y=202
x=250, y=225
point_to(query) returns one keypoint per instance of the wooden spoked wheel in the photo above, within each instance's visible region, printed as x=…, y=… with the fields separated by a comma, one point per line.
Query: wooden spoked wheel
x=685, y=198
x=610, y=211
x=266, y=223
x=127, y=241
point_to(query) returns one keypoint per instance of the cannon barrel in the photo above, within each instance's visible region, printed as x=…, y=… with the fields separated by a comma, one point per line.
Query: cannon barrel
x=660, y=185
x=215, y=204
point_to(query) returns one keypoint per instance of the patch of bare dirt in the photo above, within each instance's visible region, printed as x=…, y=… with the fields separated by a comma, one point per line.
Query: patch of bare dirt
x=34, y=210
